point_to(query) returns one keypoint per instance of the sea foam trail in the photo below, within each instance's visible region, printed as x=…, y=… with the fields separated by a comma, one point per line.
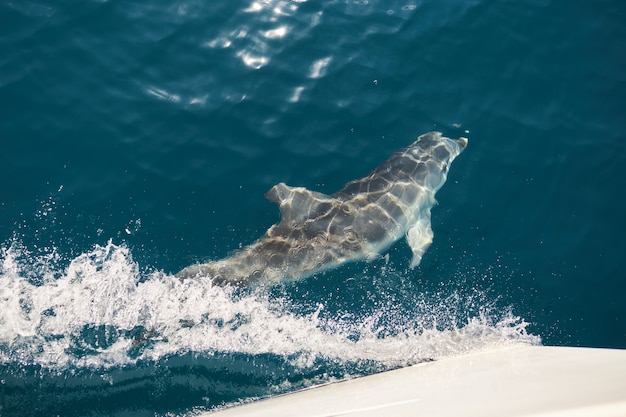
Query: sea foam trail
x=100, y=312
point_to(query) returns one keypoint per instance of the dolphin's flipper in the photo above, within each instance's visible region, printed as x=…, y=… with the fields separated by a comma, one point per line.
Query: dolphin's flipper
x=298, y=203
x=419, y=237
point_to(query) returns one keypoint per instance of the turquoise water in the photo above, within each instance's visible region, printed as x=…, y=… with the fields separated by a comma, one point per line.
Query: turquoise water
x=138, y=138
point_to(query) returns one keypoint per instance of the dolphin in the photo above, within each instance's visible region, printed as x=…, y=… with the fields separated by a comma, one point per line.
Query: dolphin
x=317, y=232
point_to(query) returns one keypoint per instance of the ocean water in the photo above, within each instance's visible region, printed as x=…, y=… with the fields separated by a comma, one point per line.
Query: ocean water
x=139, y=137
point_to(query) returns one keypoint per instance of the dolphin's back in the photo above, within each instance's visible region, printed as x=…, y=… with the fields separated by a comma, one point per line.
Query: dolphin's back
x=429, y=156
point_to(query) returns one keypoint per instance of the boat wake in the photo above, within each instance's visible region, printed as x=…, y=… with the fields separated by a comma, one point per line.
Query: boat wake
x=100, y=312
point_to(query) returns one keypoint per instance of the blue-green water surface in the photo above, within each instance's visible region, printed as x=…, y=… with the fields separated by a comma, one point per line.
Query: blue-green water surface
x=138, y=137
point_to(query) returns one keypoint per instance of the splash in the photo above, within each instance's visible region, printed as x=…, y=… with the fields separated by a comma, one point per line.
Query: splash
x=101, y=312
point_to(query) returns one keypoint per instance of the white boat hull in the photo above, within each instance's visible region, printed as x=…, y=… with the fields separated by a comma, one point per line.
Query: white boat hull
x=513, y=381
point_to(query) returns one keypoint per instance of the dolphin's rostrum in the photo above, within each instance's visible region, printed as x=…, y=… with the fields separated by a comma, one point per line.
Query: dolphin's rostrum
x=360, y=221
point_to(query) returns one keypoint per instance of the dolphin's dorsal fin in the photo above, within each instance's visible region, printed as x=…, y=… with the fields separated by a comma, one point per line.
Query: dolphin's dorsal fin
x=298, y=203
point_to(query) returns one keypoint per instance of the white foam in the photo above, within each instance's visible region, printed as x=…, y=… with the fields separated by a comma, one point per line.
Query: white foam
x=99, y=311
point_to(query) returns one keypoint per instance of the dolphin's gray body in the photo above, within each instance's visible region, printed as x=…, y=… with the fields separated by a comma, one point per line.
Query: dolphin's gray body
x=360, y=221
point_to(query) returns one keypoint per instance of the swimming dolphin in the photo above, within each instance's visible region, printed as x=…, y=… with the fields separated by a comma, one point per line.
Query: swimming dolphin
x=318, y=231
